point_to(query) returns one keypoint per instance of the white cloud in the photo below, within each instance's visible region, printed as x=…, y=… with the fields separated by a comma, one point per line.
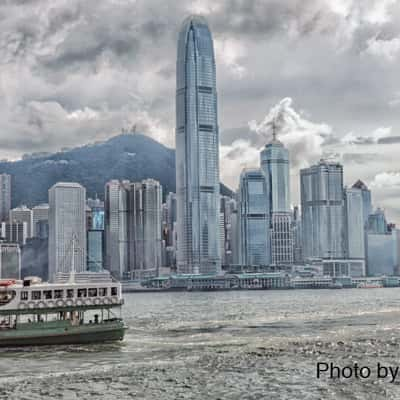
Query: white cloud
x=351, y=138
x=303, y=138
x=386, y=180
x=229, y=52
x=387, y=49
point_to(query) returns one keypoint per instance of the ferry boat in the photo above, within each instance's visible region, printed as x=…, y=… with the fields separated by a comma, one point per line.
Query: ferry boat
x=369, y=285
x=34, y=313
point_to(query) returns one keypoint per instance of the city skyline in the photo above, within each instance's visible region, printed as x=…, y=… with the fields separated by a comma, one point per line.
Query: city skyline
x=345, y=103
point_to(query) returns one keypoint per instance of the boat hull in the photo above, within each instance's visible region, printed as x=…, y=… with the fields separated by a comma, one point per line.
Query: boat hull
x=73, y=335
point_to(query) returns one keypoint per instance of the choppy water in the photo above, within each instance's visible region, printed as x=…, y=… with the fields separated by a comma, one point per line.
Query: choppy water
x=222, y=345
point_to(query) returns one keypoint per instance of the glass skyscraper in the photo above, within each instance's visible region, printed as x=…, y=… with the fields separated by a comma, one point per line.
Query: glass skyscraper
x=197, y=141
x=275, y=166
x=322, y=206
x=254, y=219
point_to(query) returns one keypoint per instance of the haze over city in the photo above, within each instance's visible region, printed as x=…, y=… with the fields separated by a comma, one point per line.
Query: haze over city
x=74, y=72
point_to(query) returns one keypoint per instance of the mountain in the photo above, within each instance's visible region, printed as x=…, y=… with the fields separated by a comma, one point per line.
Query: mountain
x=127, y=156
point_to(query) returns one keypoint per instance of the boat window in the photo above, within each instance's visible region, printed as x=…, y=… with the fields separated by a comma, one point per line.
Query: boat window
x=58, y=294
x=24, y=295
x=92, y=292
x=47, y=294
x=114, y=291
x=103, y=291
x=70, y=293
x=6, y=297
x=82, y=292
x=36, y=294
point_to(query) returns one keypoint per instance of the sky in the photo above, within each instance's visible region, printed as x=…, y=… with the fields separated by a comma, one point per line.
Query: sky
x=74, y=72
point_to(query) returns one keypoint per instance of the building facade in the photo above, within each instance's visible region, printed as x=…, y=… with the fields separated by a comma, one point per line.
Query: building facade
x=254, y=219
x=197, y=151
x=95, y=250
x=322, y=206
x=275, y=166
x=5, y=197
x=116, y=227
x=355, y=223
x=23, y=214
x=67, y=228
x=145, y=228
x=10, y=261
x=39, y=213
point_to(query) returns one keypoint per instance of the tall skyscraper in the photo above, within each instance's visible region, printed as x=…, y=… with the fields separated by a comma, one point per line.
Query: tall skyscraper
x=355, y=226
x=23, y=214
x=275, y=166
x=116, y=227
x=144, y=232
x=67, y=203
x=254, y=219
x=5, y=196
x=366, y=199
x=39, y=213
x=197, y=148
x=377, y=222
x=322, y=211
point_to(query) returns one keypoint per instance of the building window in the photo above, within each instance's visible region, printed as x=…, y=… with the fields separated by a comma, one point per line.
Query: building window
x=24, y=295
x=82, y=292
x=92, y=292
x=58, y=294
x=36, y=295
x=103, y=292
x=47, y=294
x=70, y=293
x=114, y=291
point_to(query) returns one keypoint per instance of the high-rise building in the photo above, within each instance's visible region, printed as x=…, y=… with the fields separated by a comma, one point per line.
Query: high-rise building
x=377, y=222
x=5, y=197
x=39, y=213
x=170, y=217
x=366, y=199
x=10, y=261
x=322, y=211
x=355, y=223
x=254, y=219
x=95, y=250
x=116, y=227
x=144, y=232
x=14, y=232
x=275, y=166
x=67, y=228
x=229, y=213
x=96, y=220
x=297, y=238
x=197, y=149
x=23, y=214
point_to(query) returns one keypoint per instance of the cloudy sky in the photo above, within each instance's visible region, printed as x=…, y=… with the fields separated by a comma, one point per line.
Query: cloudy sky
x=77, y=71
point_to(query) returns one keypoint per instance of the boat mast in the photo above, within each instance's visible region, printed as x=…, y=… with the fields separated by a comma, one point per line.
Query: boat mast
x=72, y=273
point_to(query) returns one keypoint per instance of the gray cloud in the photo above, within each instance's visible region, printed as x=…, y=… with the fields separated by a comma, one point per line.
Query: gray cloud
x=75, y=71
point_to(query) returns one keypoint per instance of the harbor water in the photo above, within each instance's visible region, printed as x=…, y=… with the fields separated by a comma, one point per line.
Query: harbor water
x=223, y=345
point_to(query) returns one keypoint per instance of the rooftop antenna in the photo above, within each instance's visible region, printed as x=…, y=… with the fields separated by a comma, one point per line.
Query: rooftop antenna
x=273, y=130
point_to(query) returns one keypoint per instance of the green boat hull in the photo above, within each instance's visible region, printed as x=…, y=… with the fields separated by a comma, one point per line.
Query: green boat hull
x=42, y=335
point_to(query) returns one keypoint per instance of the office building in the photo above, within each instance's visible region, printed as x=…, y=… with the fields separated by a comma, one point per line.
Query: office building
x=116, y=227
x=377, y=223
x=275, y=166
x=322, y=211
x=40, y=215
x=14, y=232
x=95, y=250
x=144, y=232
x=355, y=223
x=10, y=261
x=23, y=214
x=67, y=228
x=5, y=197
x=254, y=219
x=197, y=151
